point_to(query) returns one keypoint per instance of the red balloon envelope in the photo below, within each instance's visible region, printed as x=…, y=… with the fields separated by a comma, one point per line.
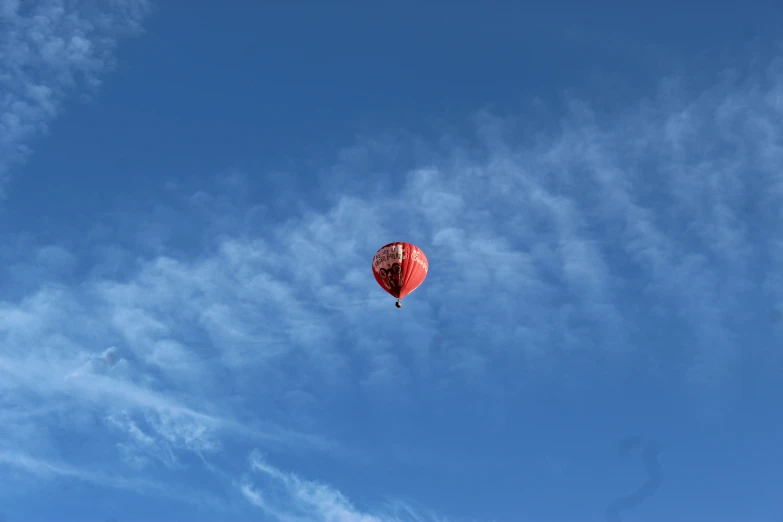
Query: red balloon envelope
x=399, y=268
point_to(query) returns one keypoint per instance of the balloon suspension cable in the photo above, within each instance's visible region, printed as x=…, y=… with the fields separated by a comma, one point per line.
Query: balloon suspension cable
x=398, y=304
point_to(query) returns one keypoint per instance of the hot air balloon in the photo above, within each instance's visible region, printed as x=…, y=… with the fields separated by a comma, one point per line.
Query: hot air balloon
x=399, y=268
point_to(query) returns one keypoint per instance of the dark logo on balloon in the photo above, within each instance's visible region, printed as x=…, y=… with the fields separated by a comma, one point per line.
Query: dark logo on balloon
x=654, y=477
x=392, y=277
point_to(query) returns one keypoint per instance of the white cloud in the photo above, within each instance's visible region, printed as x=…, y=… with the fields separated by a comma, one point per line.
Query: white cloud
x=289, y=498
x=46, y=469
x=49, y=49
x=54, y=352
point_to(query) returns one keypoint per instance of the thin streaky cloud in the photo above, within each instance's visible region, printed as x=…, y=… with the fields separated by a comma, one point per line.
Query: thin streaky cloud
x=44, y=469
x=287, y=497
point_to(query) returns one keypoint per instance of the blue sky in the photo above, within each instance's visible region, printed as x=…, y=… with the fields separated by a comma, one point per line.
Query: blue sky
x=192, y=196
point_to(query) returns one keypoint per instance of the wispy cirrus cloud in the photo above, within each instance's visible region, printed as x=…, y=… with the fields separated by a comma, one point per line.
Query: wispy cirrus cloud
x=553, y=257
x=289, y=498
x=47, y=469
x=50, y=49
